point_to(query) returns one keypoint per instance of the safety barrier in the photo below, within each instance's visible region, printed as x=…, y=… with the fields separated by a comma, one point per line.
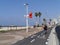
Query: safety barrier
x=53, y=40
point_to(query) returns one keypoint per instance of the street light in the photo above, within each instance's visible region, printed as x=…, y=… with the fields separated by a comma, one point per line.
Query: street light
x=26, y=5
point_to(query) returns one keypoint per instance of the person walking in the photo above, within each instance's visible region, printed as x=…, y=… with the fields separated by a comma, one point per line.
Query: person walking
x=45, y=29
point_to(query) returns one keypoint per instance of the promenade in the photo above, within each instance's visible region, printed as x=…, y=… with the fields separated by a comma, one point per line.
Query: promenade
x=11, y=37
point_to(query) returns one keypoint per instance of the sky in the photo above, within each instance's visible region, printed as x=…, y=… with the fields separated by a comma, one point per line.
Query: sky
x=12, y=11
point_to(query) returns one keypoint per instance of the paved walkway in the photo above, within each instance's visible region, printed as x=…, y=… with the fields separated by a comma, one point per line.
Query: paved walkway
x=11, y=37
x=36, y=39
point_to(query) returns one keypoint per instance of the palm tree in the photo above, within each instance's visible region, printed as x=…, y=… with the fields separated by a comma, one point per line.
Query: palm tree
x=38, y=15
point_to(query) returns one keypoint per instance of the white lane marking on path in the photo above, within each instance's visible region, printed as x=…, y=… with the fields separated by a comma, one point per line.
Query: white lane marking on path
x=46, y=43
x=32, y=40
x=33, y=36
x=38, y=36
x=43, y=36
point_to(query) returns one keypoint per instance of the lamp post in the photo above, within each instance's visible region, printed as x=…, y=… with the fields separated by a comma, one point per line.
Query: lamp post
x=26, y=5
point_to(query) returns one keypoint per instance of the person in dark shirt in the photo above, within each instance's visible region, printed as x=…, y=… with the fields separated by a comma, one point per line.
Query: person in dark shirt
x=45, y=29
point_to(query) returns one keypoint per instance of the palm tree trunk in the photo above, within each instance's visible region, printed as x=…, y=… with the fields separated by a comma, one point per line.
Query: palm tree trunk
x=38, y=20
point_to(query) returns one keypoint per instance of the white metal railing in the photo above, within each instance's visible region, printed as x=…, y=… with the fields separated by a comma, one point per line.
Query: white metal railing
x=13, y=28
x=53, y=40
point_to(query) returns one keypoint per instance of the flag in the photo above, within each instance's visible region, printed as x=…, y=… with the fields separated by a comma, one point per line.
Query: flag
x=30, y=15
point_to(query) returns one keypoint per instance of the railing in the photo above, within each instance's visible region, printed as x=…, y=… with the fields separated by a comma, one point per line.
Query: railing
x=53, y=40
x=13, y=28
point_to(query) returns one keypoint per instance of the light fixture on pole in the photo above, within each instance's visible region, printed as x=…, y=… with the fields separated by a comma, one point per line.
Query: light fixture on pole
x=26, y=5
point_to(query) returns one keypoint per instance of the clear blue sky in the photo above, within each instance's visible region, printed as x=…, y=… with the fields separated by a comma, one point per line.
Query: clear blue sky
x=12, y=11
